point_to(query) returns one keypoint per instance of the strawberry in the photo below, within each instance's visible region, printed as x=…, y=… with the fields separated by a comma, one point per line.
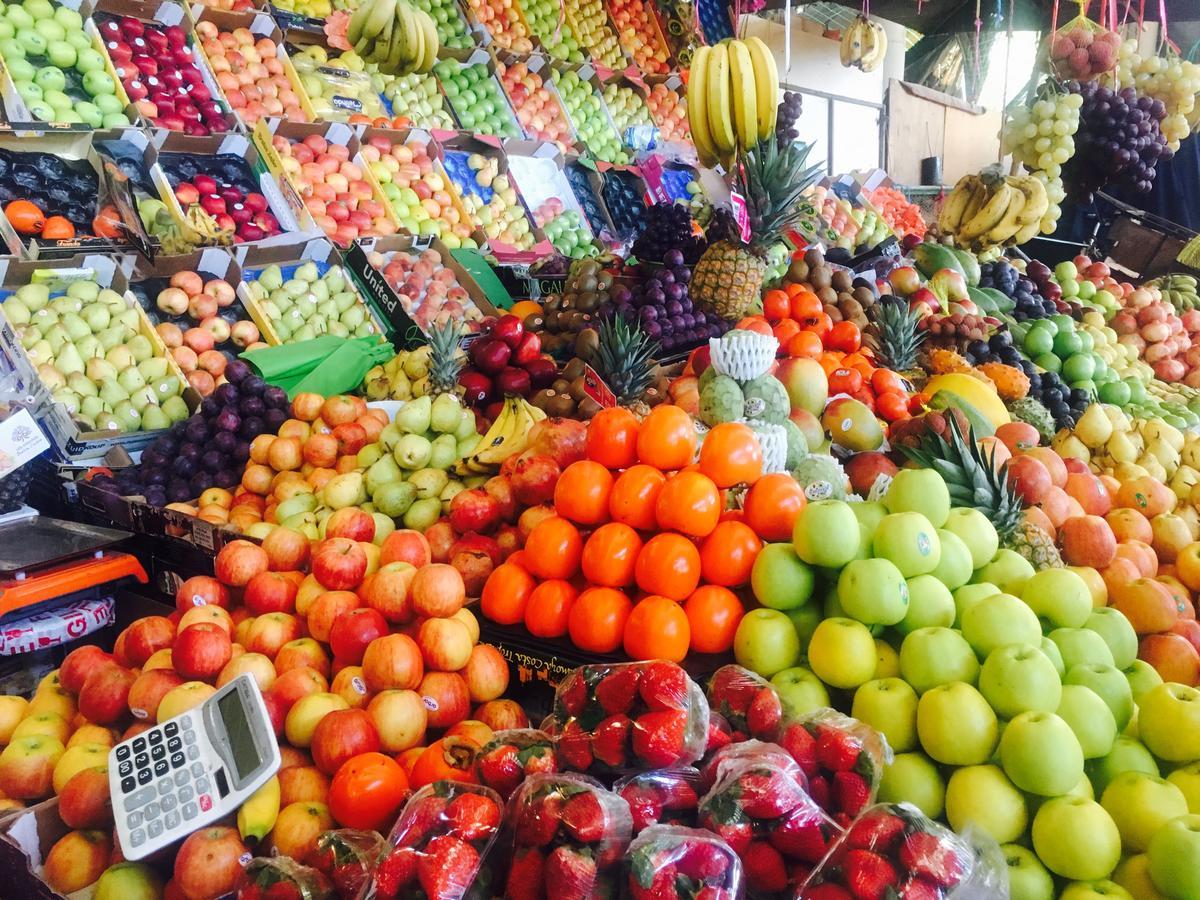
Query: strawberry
x=767, y=794
x=801, y=746
x=250, y=891
x=397, y=869
x=826, y=892
x=818, y=789
x=719, y=733
x=570, y=874
x=446, y=867
x=583, y=817
x=537, y=821
x=762, y=718
x=678, y=794
x=644, y=804
x=538, y=758
x=473, y=817
x=500, y=769
x=525, y=876
x=575, y=746
x=878, y=831
x=283, y=890
x=732, y=687
x=349, y=878
x=800, y=835
x=664, y=686
x=572, y=696
x=610, y=740
x=920, y=889
x=425, y=815
x=736, y=834
x=764, y=868
x=928, y=856
x=851, y=792
x=658, y=737
x=837, y=750
x=868, y=875
x=616, y=691
x=708, y=892
x=702, y=860
x=660, y=886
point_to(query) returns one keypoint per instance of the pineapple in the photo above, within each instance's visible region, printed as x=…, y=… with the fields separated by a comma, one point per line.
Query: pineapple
x=624, y=359
x=445, y=358
x=975, y=479
x=895, y=338
x=728, y=277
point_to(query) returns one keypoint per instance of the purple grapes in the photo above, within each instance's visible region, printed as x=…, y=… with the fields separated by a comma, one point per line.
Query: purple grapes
x=1119, y=141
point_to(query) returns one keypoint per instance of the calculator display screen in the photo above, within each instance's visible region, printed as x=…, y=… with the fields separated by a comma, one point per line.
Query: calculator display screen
x=237, y=727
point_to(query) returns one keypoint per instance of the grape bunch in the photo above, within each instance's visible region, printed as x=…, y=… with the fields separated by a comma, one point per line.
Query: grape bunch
x=1001, y=275
x=1174, y=81
x=1119, y=140
x=666, y=227
x=1065, y=404
x=661, y=306
x=1042, y=137
x=785, y=120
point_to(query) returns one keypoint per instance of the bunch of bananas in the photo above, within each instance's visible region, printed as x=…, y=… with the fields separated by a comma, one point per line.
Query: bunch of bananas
x=863, y=44
x=732, y=98
x=1177, y=290
x=985, y=211
x=508, y=436
x=403, y=377
x=398, y=37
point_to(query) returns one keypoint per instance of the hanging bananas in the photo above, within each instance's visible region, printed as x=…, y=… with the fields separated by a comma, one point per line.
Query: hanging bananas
x=732, y=98
x=863, y=45
x=985, y=211
x=399, y=38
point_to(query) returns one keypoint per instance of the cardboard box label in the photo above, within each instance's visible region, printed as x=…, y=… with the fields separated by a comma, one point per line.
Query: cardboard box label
x=20, y=441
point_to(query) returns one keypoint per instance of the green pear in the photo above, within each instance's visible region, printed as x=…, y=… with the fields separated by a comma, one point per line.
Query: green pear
x=141, y=348
x=74, y=326
x=345, y=300
x=56, y=336
x=390, y=436
x=89, y=347
x=337, y=329
x=423, y=513
x=121, y=357
x=128, y=319
x=383, y=471
x=307, y=272
x=449, y=492
x=303, y=333
x=154, y=367
x=468, y=445
x=153, y=418
x=16, y=312
x=91, y=407
x=335, y=280
x=319, y=291
x=112, y=393
x=43, y=320
x=100, y=368
x=68, y=360
x=414, y=416
x=66, y=304
x=295, y=504
x=130, y=418
x=175, y=408
x=366, y=328
x=112, y=301
x=353, y=317
x=429, y=482
x=68, y=398
x=413, y=451
x=369, y=455
x=109, y=422
x=444, y=452
x=328, y=309
x=34, y=296
x=296, y=287
x=131, y=379
x=51, y=377
x=446, y=414
x=270, y=278
x=395, y=498
x=113, y=336
x=40, y=352
x=166, y=386
x=142, y=398
x=83, y=384
x=305, y=308
x=87, y=291
x=97, y=317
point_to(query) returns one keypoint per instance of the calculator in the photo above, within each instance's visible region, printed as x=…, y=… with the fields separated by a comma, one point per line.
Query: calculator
x=191, y=770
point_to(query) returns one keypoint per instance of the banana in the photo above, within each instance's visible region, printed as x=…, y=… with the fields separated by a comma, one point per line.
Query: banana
x=257, y=815
x=432, y=45
x=978, y=198
x=719, y=113
x=412, y=35
x=379, y=14
x=355, y=26
x=766, y=83
x=989, y=216
x=951, y=215
x=418, y=45
x=1011, y=223
x=399, y=51
x=697, y=106
x=876, y=50
x=745, y=95
x=850, y=46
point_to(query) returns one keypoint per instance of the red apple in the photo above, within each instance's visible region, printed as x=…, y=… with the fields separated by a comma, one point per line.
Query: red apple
x=79, y=664
x=405, y=545
x=302, y=653
x=486, y=673
x=392, y=662
x=270, y=632
x=201, y=590
x=445, y=644
x=147, y=692
x=440, y=537
x=353, y=632
x=387, y=590
x=446, y=697
x=239, y=561
x=105, y=694
x=350, y=521
x=339, y=564
x=340, y=735
x=500, y=715
x=86, y=802
x=209, y=863
x=147, y=635
x=201, y=651
x=474, y=510
x=294, y=684
x=269, y=592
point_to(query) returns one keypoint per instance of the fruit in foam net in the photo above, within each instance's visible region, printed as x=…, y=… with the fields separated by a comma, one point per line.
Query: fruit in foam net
x=158, y=69
x=537, y=107
x=416, y=189
x=504, y=23
x=416, y=97
x=634, y=20
x=596, y=34
x=314, y=9
x=333, y=188
x=564, y=229
x=553, y=30
x=250, y=74
x=490, y=198
x=476, y=98
x=40, y=43
x=309, y=303
x=336, y=97
x=590, y=119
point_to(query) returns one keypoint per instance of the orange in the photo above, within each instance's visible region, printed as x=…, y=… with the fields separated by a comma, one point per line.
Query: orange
x=610, y=554
x=727, y=555
x=548, y=608
x=506, y=593
x=713, y=613
x=689, y=502
x=669, y=564
x=667, y=438
x=612, y=438
x=657, y=628
x=553, y=548
x=772, y=505
x=581, y=493
x=731, y=454
x=596, y=622
x=634, y=495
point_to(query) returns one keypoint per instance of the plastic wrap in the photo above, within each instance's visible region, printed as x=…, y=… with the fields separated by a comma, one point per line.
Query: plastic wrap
x=669, y=861
x=720, y=733
x=715, y=764
x=843, y=758
x=282, y=878
x=514, y=754
x=1082, y=49
x=661, y=796
x=347, y=857
x=891, y=850
x=760, y=808
x=629, y=716
x=439, y=842
x=569, y=834
x=748, y=702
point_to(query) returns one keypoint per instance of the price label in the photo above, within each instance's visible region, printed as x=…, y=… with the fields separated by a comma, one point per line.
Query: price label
x=741, y=214
x=596, y=388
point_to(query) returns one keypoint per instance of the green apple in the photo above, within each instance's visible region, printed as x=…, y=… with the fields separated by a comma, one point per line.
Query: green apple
x=1059, y=597
x=1027, y=877
x=975, y=530
x=1079, y=646
x=841, y=652
x=1019, y=678
x=97, y=82
x=1133, y=874
x=800, y=691
x=889, y=705
x=1127, y=755
x=921, y=491
x=1187, y=779
x=1173, y=853
x=1053, y=654
x=1110, y=685
x=872, y=591
x=31, y=42
x=1090, y=719
x=1112, y=625
x=956, y=726
x=997, y=621
x=1076, y=839
x=780, y=579
x=1094, y=890
x=765, y=642
x=1140, y=804
x=869, y=514
x=1169, y=722
x=933, y=656
x=1008, y=570
x=967, y=595
x=1041, y=754
x=930, y=603
x=913, y=778
x=908, y=540
x=129, y=881
x=805, y=620
x=982, y=796
x=954, y=568
x=50, y=78
x=1141, y=677
x=827, y=534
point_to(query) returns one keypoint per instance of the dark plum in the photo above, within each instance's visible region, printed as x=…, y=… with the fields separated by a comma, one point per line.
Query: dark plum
x=183, y=466
x=209, y=407
x=200, y=483
x=237, y=370
x=224, y=442
x=212, y=461
x=275, y=397
x=241, y=452
x=252, y=385
x=251, y=427
x=197, y=431
x=251, y=406
x=225, y=394
x=227, y=420
x=273, y=418
x=226, y=478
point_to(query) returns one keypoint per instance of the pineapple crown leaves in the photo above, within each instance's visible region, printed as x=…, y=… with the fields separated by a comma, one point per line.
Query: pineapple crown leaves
x=446, y=357
x=625, y=358
x=771, y=179
x=895, y=337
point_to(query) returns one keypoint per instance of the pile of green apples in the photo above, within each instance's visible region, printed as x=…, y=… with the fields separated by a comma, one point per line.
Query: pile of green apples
x=417, y=97
x=1013, y=699
x=56, y=68
x=90, y=353
x=449, y=22
x=591, y=121
x=547, y=22
x=308, y=303
x=475, y=95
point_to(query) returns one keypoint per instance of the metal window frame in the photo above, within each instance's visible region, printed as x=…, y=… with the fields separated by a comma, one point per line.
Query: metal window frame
x=832, y=100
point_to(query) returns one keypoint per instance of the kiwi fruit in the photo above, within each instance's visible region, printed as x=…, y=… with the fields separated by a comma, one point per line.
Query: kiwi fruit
x=560, y=405
x=587, y=343
x=820, y=277
x=542, y=397
x=833, y=312
x=813, y=257
x=864, y=295
x=560, y=385
x=850, y=309
x=827, y=295
x=577, y=390
x=571, y=371
x=798, y=270
x=841, y=281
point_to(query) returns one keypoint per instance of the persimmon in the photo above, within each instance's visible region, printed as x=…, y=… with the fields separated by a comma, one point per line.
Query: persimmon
x=713, y=613
x=506, y=593
x=634, y=495
x=727, y=555
x=548, y=608
x=553, y=548
x=612, y=438
x=776, y=305
x=805, y=344
x=657, y=628
x=58, y=228
x=581, y=493
x=689, y=503
x=25, y=216
x=667, y=438
x=731, y=454
x=597, y=619
x=610, y=554
x=448, y=759
x=844, y=336
x=772, y=505
x=669, y=564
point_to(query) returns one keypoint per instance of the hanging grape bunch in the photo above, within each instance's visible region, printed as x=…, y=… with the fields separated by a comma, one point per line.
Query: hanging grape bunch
x=789, y=114
x=1171, y=79
x=1041, y=135
x=1119, y=141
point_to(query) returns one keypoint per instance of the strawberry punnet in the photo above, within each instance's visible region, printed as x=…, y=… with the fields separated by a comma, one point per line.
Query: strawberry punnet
x=667, y=862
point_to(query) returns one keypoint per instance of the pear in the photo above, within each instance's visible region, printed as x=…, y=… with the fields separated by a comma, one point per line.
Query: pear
x=270, y=278
x=307, y=272
x=141, y=348
x=51, y=377
x=121, y=357
x=390, y=436
x=468, y=445
x=175, y=409
x=16, y=312
x=445, y=452
x=369, y=455
x=44, y=319
x=282, y=329
x=74, y=326
x=271, y=310
x=319, y=291
x=466, y=427
x=67, y=398
x=98, y=369
x=131, y=379
x=69, y=360
x=449, y=492
x=328, y=309
x=166, y=386
x=97, y=317
x=143, y=397
x=56, y=336
x=303, y=333
x=128, y=318
x=112, y=301
x=29, y=336
x=297, y=287
x=155, y=367
x=64, y=305
x=130, y=418
x=87, y=291
x=344, y=300
x=108, y=422
x=89, y=347
x=153, y=419
x=429, y=482
x=111, y=337
x=296, y=317
x=445, y=414
x=335, y=280
x=337, y=329
x=394, y=499
x=81, y=384
x=413, y=417
x=353, y=317
x=383, y=471
x=34, y=296
x=304, y=308
x=257, y=290
x=112, y=393
x=40, y=352
x=365, y=329
x=91, y=407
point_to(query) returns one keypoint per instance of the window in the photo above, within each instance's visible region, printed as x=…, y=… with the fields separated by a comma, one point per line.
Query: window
x=846, y=134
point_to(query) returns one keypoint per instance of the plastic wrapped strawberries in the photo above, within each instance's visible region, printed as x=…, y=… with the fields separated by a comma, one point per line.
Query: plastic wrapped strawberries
x=568, y=833
x=661, y=796
x=439, y=842
x=748, y=702
x=514, y=754
x=666, y=862
x=282, y=878
x=347, y=857
x=613, y=718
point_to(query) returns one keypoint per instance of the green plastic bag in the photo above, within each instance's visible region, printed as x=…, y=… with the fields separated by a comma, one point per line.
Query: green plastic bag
x=327, y=365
